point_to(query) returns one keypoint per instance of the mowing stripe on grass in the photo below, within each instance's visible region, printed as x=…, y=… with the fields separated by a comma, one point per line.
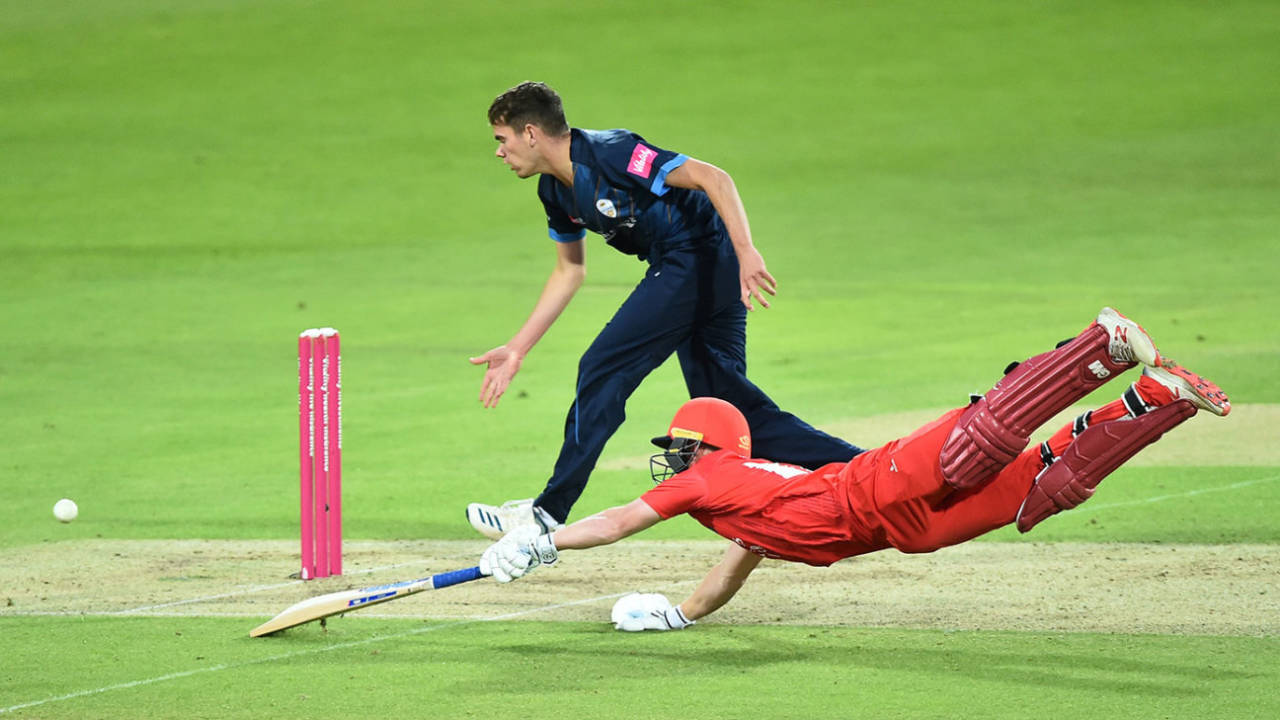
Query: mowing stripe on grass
x=301, y=653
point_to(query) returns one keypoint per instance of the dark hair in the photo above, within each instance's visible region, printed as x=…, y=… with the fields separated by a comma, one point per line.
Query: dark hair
x=529, y=103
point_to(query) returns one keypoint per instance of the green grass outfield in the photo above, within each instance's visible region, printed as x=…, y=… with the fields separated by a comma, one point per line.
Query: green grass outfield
x=586, y=670
x=938, y=187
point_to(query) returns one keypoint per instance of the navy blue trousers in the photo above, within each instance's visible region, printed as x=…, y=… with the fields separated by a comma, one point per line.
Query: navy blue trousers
x=688, y=303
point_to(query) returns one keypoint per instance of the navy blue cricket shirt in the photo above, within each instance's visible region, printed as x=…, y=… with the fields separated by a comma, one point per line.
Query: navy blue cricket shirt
x=620, y=191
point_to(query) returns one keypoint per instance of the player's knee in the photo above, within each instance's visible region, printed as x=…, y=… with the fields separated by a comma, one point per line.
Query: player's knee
x=602, y=371
x=591, y=363
x=980, y=445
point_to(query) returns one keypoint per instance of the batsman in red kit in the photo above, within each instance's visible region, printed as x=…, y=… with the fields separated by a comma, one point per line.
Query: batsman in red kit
x=962, y=475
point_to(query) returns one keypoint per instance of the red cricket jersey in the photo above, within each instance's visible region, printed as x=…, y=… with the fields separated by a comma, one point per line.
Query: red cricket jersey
x=892, y=496
x=775, y=510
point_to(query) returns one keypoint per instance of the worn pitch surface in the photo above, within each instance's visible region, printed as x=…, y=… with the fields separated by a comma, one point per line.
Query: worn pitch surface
x=1068, y=587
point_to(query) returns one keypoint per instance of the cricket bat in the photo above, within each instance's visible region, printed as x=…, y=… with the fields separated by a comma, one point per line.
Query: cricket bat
x=344, y=601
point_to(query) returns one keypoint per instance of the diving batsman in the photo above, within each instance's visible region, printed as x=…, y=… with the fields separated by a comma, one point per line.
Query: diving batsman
x=958, y=477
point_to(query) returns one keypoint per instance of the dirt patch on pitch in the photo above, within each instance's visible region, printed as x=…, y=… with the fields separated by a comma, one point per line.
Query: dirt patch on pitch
x=1122, y=588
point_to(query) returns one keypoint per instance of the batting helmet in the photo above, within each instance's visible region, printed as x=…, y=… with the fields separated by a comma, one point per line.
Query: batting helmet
x=701, y=421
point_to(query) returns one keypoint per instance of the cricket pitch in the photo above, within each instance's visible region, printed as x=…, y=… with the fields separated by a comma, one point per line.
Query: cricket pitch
x=1067, y=587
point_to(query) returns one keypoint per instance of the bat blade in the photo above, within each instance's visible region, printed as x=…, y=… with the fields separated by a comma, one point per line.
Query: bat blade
x=343, y=601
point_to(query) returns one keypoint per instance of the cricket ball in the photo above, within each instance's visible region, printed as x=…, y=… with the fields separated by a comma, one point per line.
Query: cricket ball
x=65, y=510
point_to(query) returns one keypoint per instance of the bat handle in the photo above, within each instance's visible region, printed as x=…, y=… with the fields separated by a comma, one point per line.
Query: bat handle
x=453, y=578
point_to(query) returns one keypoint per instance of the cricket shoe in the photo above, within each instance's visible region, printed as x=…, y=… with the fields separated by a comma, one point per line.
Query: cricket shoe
x=1187, y=385
x=494, y=521
x=1128, y=342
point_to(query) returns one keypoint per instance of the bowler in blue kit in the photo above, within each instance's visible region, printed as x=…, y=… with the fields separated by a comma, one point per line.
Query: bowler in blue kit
x=684, y=218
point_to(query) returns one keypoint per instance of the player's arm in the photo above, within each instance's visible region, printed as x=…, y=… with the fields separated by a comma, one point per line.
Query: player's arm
x=606, y=527
x=652, y=611
x=524, y=548
x=720, y=585
x=723, y=194
x=504, y=361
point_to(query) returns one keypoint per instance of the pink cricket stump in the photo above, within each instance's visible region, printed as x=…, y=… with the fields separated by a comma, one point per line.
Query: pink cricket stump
x=320, y=451
x=306, y=454
x=333, y=442
x=320, y=421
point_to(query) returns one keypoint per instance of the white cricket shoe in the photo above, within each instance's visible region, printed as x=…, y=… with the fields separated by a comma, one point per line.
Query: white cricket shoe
x=1187, y=385
x=494, y=521
x=1129, y=342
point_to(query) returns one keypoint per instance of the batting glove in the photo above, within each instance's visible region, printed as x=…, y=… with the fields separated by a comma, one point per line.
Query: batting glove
x=637, y=612
x=671, y=618
x=517, y=554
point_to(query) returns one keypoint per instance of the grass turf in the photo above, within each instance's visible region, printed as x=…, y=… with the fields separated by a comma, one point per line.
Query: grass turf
x=940, y=188
x=484, y=670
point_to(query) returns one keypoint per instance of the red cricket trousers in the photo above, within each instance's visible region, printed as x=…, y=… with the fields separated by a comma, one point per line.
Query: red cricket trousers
x=897, y=490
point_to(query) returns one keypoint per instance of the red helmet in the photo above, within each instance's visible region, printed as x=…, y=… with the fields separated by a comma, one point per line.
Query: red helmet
x=711, y=421
x=701, y=421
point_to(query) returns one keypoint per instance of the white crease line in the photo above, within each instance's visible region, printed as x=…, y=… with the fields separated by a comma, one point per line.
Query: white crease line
x=1189, y=493
x=196, y=615
x=118, y=613
x=146, y=608
x=312, y=651
x=248, y=591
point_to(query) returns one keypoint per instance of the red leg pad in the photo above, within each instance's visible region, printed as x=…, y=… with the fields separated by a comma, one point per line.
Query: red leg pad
x=998, y=426
x=1091, y=457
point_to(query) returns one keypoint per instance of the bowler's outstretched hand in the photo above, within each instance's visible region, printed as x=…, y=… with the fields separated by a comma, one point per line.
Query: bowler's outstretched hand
x=503, y=364
x=755, y=279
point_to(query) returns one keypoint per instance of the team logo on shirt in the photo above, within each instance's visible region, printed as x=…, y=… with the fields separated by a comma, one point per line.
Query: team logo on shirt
x=606, y=208
x=641, y=160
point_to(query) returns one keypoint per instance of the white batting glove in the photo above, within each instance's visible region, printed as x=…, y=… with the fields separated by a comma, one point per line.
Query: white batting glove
x=517, y=554
x=671, y=618
x=637, y=612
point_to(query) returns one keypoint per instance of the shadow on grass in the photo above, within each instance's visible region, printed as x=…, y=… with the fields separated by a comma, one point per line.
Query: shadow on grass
x=1144, y=665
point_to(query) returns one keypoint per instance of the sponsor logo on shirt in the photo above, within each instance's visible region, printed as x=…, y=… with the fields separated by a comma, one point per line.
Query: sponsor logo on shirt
x=786, y=471
x=642, y=160
x=606, y=208
x=624, y=224
x=574, y=220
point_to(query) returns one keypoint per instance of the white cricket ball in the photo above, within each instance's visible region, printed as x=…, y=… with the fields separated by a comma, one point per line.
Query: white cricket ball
x=65, y=510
